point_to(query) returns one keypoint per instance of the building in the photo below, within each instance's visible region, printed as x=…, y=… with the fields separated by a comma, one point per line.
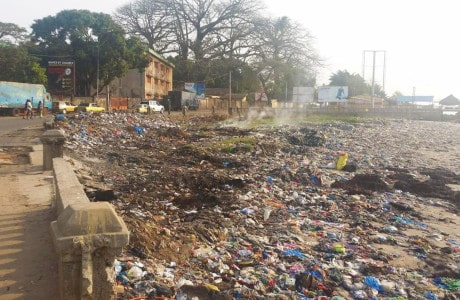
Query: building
x=450, y=105
x=153, y=82
x=365, y=102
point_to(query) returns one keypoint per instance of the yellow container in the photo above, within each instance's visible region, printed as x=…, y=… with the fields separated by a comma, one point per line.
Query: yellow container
x=342, y=160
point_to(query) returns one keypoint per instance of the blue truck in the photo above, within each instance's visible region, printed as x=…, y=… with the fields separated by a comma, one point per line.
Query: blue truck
x=13, y=96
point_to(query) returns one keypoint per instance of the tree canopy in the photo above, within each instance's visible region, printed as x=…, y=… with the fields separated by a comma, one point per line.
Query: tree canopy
x=208, y=39
x=17, y=65
x=205, y=39
x=356, y=84
x=94, y=40
x=12, y=34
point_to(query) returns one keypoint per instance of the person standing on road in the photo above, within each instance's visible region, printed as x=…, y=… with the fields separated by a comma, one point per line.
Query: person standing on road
x=40, y=109
x=29, y=109
x=25, y=109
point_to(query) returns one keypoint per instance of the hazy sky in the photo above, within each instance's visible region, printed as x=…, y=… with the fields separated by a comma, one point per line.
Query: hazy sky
x=420, y=38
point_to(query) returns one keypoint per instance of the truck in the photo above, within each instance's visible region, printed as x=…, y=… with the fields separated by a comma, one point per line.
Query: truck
x=178, y=99
x=13, y=96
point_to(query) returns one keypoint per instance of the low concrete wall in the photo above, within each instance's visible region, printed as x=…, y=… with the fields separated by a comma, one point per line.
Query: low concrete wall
x=68, y=188
x=87, y=237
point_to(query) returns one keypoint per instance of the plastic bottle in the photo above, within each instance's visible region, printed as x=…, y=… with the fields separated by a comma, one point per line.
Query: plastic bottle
x=342, y=160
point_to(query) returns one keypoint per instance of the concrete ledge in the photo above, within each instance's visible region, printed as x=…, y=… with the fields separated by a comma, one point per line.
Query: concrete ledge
x=97, y=221
x=68, y=189
x=87, y=237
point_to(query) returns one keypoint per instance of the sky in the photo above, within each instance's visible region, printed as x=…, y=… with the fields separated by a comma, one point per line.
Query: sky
x=416, y=43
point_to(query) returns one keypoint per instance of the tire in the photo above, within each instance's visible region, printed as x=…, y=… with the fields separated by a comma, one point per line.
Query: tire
x=17, y=111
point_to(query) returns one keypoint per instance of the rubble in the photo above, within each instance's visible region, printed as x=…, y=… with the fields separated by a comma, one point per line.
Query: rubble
x=221, y=210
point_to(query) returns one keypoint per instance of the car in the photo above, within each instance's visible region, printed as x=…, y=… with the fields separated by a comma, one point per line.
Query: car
x=154, y=105
x=89, y=107
x=62, y=107
x=142, y=108
x=69, y=107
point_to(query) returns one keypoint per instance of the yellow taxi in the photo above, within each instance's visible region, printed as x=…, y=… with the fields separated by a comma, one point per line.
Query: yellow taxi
x=142, y=108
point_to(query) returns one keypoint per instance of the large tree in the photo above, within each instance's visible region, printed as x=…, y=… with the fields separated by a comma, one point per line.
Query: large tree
x=96, y=43
x=194, y=32
x=17, y=65
x=12, y=33
x=356, y=84
x=283, y=54
x=152, y=21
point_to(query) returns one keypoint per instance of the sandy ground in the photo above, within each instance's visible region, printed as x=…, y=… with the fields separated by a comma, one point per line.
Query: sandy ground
x=28, y=263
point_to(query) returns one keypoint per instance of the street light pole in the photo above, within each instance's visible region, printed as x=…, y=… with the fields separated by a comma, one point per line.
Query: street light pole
x=230, y=108
x=97, y=79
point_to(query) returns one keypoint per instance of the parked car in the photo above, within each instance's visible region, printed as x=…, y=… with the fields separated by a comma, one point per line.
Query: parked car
x=69, y=107
x=62, y=107
x=89, y=107
x=154, y=105
x=142, y=108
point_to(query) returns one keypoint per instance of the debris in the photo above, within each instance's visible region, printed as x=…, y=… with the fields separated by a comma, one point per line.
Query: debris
x=222, y=212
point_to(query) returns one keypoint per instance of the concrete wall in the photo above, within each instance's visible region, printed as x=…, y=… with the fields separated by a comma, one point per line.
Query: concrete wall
x=87, y=237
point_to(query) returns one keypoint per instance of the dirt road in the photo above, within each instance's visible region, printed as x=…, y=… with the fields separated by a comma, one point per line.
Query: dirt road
x=28, y=263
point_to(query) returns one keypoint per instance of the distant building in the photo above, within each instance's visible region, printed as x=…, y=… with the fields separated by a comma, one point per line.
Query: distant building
x=450, y=100
x=153, y=82
x=365, y=102
x=450, y=105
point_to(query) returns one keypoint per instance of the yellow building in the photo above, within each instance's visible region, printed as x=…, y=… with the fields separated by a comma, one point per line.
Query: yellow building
x=153, y=82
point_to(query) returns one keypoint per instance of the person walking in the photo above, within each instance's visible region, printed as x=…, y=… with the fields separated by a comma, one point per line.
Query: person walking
x=40, y=109
x=25, y=109
x=29, y=109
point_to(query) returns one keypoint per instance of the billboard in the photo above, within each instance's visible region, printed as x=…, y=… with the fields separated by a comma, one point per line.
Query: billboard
x=332, y=93
x=303, y=94
x=61, y=76
x=196, y=87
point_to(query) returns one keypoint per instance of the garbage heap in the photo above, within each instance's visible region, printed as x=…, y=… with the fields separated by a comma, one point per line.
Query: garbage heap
x=222, y=209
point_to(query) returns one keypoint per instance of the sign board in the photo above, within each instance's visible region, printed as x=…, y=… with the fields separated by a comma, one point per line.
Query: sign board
x=196, y=87
x=61, y=76
x=332, y=94
x=260, y=96
x=414, y=99
x=303, y=94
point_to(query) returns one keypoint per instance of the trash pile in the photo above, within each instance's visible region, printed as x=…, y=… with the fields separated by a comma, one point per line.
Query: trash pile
x=218, y=209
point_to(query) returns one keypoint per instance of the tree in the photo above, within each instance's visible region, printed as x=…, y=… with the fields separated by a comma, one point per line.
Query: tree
x=209, y=38
x=17, y=65
x=12, y=33
x=282, y=51
x=194, y=32
x=96, y=43
x=151, y=20
x=356, y=84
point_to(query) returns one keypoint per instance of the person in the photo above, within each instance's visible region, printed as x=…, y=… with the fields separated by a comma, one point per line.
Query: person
x=40, y=109
x=169, y=106
x=29, y=109
x=25, y=109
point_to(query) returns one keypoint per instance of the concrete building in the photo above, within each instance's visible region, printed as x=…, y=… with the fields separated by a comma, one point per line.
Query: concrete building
x=153, y=82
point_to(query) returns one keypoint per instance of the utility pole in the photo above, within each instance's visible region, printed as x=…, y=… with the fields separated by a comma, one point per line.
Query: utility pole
x=373, y=80
x=285, y=98
x=97, y=79
x=230, y=108
x=374, y=54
